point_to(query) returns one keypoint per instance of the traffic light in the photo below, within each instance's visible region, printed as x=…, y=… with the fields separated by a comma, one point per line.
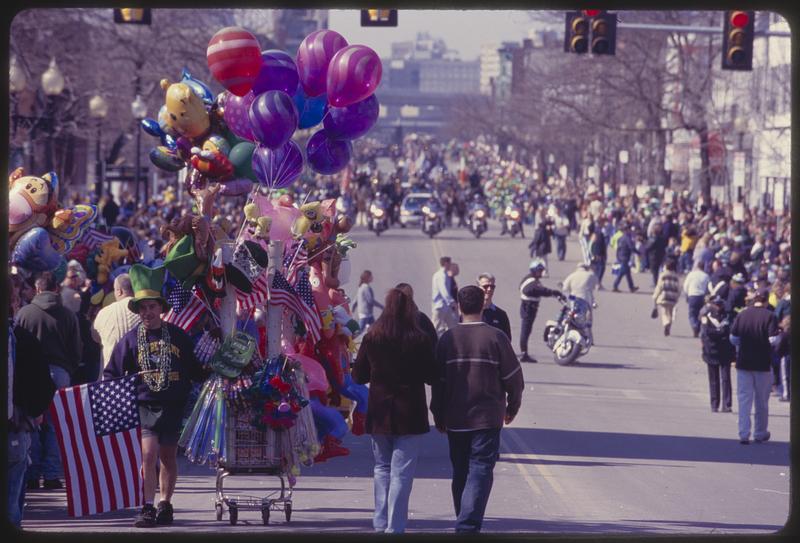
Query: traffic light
x=604, y=32
x=576, y=34
x=132, y=16
x=378, y=17
x=737, y=40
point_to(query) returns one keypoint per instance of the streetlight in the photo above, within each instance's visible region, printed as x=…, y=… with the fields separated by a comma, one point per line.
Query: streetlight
x=98, y=109
x=139, y=112
x=17, y=82
x=53, y=85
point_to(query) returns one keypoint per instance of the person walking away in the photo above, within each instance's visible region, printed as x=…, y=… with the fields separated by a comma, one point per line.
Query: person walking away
x=442, y=302
x=56, y=327
x=666, y=294
x=784, y=352
x=365, y=301
x=110, y=210
x=479, y=389
x=396, y=358
x=531, y=291
x=695, y=286
x=492, y=315
x=688, y=242
x=452, y=273
x=598, y=254
x=625, y=249
x=718, y=352
x=754, y=333
x=584, y=234
x=656, y=248
x=561, y=231
x=163, y=356
x=540, y=245
x=423, y=322
x=116, y=319
x=582, y=283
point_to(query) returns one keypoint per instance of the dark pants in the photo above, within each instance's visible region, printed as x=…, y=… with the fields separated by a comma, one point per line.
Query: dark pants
x=695, y=305
x=624, y=271
x=561, y=246
x=720, y=375
x=655, y=266
x=599, y=268
x=473, y=456
x=685, y=262
x=527, y=313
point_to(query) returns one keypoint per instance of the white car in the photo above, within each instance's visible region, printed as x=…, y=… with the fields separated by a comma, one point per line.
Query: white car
x=411, y=208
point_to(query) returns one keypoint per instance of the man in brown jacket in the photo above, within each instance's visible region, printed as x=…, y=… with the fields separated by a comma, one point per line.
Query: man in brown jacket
x=480, y=388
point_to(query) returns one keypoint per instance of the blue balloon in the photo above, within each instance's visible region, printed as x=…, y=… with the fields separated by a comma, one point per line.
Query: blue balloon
x=353, y=121
x=311, y=110
x=327, y=156
x=198, y=87
x=35, y=252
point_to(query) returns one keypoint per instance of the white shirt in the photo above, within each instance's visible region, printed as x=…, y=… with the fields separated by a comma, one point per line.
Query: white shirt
x=440, y=290
x=581, y=284
x=696, y=283
x=112, y=322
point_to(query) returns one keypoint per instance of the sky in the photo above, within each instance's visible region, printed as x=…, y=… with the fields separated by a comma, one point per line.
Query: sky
x=462, y=30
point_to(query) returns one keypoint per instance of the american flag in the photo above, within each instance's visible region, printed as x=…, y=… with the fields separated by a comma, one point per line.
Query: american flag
x=299, y=262
x=186, y=307
x=282, y=293
x=98, y=431
x=257, y=297
x=93, y=238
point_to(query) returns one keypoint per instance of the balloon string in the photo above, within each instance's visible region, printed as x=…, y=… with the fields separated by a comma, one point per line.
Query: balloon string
x=244, y=221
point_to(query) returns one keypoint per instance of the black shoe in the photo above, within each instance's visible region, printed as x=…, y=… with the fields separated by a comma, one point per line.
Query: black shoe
x=164, y=513
x=666, y=329
x=763, y=439
x=744, y=441
x=524, y=357
x=726, y=410
x=52, y=484
x=634, y=289
x=615, y=289
x=146, y=518
x=33, y=484
x=714, y=409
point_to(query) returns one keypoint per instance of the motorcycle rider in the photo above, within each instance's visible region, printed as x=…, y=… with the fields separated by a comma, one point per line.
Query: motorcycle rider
x=381, y=201
x=477, y=204
x=582, y=283
x=531, y=291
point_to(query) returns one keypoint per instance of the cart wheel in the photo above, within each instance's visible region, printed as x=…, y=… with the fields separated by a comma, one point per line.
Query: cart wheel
x=219, y=510
x=287, y=508
x=265, y=515
x=233, y=511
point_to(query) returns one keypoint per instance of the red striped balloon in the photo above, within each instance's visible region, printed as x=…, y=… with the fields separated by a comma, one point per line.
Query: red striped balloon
x=234, y=58
x=353, y=75
x=313, y=57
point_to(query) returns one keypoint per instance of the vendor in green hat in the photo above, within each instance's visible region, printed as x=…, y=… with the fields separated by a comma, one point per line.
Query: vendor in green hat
x=163, y=356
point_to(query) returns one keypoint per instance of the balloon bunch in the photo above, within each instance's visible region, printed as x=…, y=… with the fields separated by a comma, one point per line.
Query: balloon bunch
x=276, y=395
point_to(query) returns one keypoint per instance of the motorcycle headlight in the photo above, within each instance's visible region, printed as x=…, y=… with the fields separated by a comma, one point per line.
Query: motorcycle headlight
x=515, y=215
x=378, y=213
x=480, y=214
x=426, y=209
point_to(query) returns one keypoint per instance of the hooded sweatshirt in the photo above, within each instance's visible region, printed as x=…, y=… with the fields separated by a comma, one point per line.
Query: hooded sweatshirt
x=56, y=327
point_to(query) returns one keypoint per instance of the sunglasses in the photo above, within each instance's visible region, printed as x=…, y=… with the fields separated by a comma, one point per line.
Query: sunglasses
x=488, y=287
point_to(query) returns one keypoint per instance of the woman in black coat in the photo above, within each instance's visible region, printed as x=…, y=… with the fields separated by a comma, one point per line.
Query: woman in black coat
x=397, y=358
x=718, y=352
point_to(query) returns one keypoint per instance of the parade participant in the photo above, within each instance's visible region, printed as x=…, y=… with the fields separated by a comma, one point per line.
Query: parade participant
x=560, y=231
x=754, y=333
x=442, y=302
x=116, y=319
x=625, y=249
x=480, y=389
x=540, y=246
x=492, y=315
x=396, y=358
x=163, y=356
x=365, y=301
x=531, y=291
x=666, y=294
x=718, y=353
x=56, y=327
x=581, y=283
x=598, y=255
x=695, y=287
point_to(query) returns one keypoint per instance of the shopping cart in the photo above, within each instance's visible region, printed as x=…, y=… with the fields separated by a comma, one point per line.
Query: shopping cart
x=250, y=451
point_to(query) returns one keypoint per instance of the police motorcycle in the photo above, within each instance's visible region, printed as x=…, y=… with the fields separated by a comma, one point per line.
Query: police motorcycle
x=512, y=219
x=569, y=336
x=478, y=216
x=432, y=218
x=378, y=216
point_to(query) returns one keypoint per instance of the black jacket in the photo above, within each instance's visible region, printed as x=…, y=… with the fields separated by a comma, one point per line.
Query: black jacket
x=715, y=329
x=494, y=316
x=57, y=329
x=541, y=246
x=33, y=386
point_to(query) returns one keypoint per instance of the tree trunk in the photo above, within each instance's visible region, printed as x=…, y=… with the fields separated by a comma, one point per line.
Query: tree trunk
x=705, y=169
x=661, y=178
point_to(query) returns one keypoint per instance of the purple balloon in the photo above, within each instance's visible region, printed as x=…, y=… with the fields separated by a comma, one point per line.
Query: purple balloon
x=313, y=57
x=353, y=121
x=273, y=118
x=277, y=168
x=278, y=72
x=327, y=156
x=354, y=74
x=236, y=111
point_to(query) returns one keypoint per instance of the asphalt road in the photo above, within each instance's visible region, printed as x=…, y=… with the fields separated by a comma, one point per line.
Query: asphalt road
x=624, y=442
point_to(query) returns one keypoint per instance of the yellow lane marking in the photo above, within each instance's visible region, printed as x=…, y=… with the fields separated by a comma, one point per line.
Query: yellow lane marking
x=521, y=467
x=544, y=470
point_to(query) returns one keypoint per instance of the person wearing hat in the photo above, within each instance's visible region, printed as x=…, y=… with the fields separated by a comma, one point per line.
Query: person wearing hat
x=754, y=333
x=531, y=291
x=737, y=295
x=162, y=355
x=718, y=352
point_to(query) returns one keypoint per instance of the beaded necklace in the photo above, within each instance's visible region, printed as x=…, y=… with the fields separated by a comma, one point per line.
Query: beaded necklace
x=154, y=378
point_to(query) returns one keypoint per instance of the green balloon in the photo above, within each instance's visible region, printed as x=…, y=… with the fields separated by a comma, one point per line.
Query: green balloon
x=241, y=157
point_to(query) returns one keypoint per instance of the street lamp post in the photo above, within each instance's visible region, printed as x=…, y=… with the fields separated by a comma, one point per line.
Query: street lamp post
x=98, y=109
x=17, y=81
x=52, y=85
x=139, y=112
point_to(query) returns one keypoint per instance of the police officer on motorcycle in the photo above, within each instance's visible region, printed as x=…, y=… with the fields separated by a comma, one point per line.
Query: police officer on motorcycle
x=582, y=283
x=531, y=291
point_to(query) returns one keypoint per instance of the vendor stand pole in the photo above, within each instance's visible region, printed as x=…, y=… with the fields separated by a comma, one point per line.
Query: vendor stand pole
x=227, y=312
x=274, y=312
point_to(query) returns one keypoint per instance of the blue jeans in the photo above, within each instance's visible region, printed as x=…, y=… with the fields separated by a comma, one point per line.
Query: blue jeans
x=19, y=444
x=363, y=322
x=395, y=465
x=695, y=305
x=753, y=387
x=685, y=262
x=473, y=455
x=561, y=246
x=45, y=456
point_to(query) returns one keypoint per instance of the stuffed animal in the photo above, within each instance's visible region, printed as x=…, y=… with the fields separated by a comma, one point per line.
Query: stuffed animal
x=110, y=252
x=186, y=114
x=32, y=201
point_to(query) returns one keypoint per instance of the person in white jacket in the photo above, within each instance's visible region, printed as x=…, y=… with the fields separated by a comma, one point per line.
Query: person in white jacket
x=582, y=283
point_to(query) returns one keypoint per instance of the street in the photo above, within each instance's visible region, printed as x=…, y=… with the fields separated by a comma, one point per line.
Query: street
x=623, y=442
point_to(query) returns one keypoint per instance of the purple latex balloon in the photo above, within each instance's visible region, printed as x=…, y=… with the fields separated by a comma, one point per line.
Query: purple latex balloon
x=353, y=121
x=327, y=156
x=273, y=118
x=277, y=168
x=278, y=72
x=354, y=74
x=236, y=113
x=313, y=57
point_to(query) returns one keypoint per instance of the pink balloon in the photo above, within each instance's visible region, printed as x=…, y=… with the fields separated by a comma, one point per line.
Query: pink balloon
x=236, y=111
x=354, y=74
x=282, y=217
x=317, y=380
x=313, y=57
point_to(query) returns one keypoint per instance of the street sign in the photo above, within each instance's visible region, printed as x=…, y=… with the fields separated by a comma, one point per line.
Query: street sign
x=738, y=169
